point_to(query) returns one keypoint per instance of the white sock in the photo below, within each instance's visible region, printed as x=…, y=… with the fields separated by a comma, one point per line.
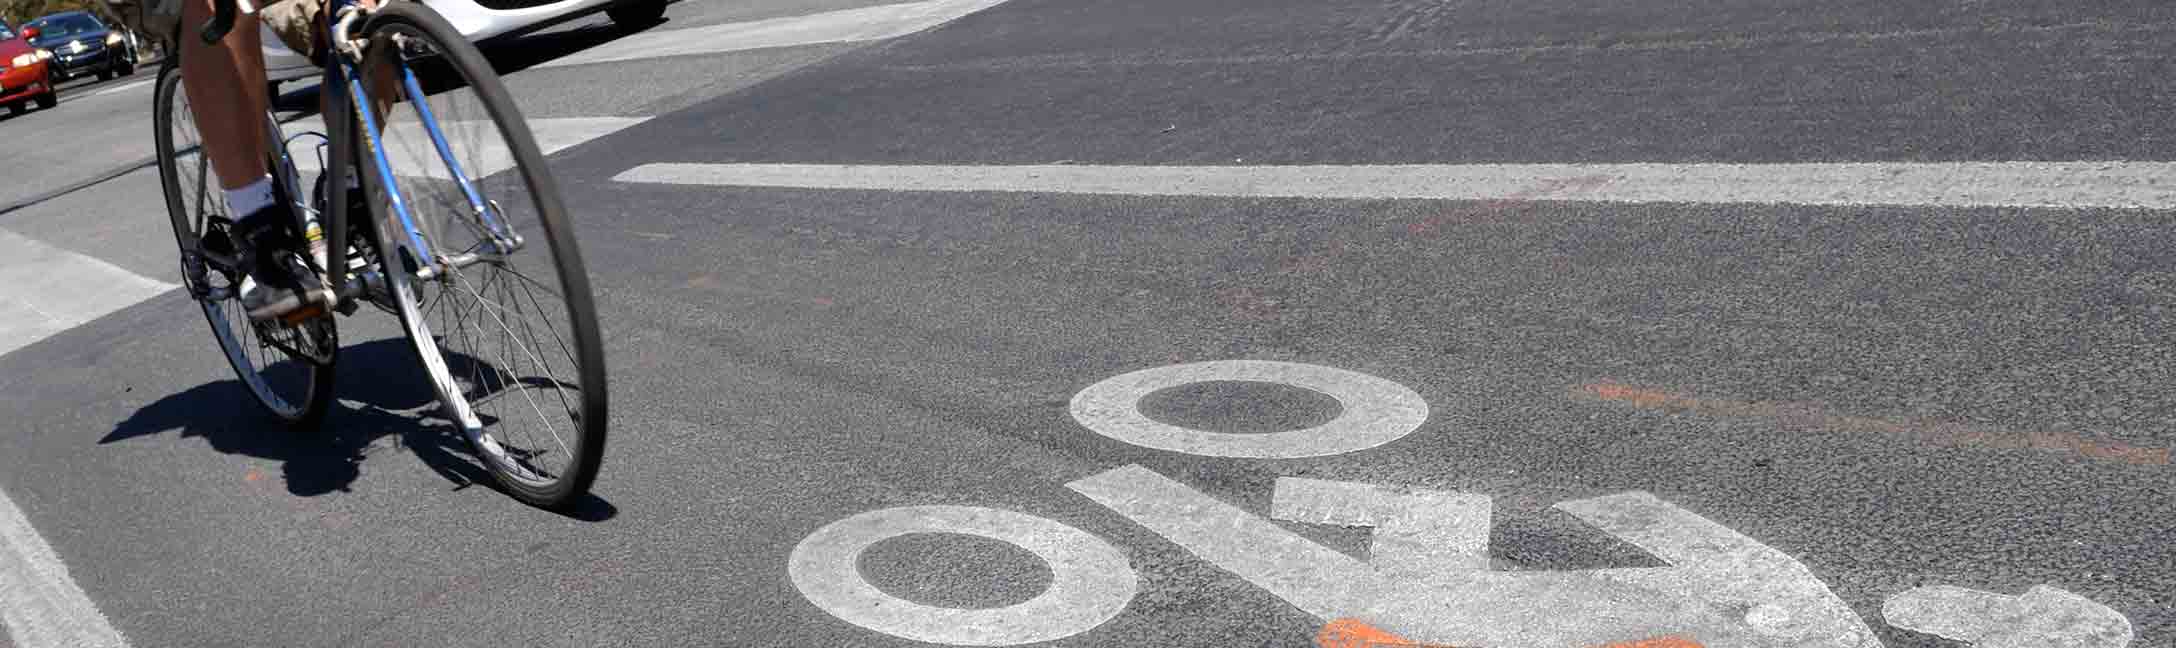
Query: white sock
x=247, y=200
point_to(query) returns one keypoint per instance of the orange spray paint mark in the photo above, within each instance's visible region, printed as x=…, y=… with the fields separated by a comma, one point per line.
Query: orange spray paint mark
x=1658, y=642
x=1942, y=433
x=1354, y=633
x=252, y=475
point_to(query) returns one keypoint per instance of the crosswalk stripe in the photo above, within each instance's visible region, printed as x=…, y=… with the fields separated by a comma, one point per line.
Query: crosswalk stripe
x=848, y=25
x=45, y=290
x=552, y=136
x=2144, y=185
x=40, y=605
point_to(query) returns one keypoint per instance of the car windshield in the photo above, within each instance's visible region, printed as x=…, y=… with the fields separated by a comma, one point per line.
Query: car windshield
x=66, y=26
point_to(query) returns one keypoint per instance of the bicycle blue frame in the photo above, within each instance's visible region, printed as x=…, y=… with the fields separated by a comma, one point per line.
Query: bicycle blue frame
x=346, y=74
x=476, y=202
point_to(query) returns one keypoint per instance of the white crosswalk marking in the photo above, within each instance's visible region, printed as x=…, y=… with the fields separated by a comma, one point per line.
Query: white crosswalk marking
x=1948, y=184
x=475, y=143
x=45, y=290
x=39, y=604
x=845, y=26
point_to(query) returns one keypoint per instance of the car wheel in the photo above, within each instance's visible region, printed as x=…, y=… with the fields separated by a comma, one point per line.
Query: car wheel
x=51, y=97
x=639, y=13
x=17, y=108
x=105, y=74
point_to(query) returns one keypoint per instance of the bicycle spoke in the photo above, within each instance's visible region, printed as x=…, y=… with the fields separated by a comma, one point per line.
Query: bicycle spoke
x=546, y=420
x=518, y=333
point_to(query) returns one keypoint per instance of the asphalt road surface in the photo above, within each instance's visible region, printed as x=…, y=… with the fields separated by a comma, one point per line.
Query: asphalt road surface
x=1198, y=323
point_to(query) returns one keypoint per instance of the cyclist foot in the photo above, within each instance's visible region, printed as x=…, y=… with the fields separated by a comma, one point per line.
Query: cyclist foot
x=280, y=285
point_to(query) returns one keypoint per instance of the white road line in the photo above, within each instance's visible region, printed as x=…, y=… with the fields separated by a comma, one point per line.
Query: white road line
x=39, y=604
x=2149, y=185
x=45, y=290
x=850, y=25
x=552, y=136
x=123, y=88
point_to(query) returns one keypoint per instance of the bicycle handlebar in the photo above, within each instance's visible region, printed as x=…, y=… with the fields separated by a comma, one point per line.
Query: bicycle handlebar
x=223, y=14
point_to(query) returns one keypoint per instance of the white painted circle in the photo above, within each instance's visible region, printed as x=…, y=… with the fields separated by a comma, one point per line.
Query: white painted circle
x=1090, y=581
x=1377, y=411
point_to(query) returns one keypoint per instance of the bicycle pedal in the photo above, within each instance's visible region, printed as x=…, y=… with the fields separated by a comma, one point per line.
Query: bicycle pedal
x=303, y=315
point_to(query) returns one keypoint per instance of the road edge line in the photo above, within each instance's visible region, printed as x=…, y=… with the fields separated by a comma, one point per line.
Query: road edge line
x=40, y=605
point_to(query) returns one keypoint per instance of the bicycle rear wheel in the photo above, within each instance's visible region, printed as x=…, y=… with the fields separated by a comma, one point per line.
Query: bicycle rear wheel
x=288, y=369
x=490, y=283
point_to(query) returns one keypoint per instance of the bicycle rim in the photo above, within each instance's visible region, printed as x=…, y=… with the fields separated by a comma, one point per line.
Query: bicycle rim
x=295, y=387
x=511, y=338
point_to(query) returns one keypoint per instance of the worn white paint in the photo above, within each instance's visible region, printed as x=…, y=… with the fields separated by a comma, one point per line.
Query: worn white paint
x=2042, y=617
x=1780, y=598
x=40, y=606
x=125, y=87
x=1090, y=583
x=1376, y=411
x=1722, y=588
x=1311, y=577
x=1416, y=531
x=45, y=290
x=1941, y=184
x=844, y=26
x=476, y=142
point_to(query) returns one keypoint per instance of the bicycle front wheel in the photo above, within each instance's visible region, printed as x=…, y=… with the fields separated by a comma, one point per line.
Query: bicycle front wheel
x=289, y=369
x=482, y=260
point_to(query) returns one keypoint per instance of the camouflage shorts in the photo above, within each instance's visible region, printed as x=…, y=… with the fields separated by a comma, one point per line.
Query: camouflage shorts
x=295, y=21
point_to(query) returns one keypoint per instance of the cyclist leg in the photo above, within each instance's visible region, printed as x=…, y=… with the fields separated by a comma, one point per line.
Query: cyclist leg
x=226, y=86
x=225, y=83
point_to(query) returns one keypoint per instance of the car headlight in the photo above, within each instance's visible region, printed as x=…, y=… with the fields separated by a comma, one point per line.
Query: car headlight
x=45, y=55
x=113, y=39
x=25, y=60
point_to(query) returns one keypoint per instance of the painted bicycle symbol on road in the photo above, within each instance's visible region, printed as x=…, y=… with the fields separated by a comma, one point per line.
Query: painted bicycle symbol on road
x=1427, y=576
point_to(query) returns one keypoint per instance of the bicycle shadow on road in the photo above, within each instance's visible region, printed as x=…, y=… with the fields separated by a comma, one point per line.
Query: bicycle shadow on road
x=381, y=396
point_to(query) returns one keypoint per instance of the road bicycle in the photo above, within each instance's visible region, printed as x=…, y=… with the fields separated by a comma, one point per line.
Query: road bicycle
x=454, y=224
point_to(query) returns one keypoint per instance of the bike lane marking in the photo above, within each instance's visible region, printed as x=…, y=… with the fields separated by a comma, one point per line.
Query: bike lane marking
x=842, y=26
x=1933, y=184
x=1091, y=581
x=1428, y=573
x=1722, y=589
x=2042, y=617
x=1375, y=411
x=40, y=605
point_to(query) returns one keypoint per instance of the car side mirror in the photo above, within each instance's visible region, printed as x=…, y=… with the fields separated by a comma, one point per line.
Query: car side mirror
x=30, y=33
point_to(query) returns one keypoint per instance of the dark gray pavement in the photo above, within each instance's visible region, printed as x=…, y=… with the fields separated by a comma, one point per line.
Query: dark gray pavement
x=1895, y=396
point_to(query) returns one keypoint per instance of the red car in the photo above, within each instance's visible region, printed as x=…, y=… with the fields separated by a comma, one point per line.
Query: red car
x=24, y=74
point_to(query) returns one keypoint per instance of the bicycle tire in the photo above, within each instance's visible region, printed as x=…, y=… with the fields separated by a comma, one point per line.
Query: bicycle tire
x=314, y=387
x=442, y=348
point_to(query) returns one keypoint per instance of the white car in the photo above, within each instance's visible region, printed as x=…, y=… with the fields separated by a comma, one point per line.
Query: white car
x=484, y=21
